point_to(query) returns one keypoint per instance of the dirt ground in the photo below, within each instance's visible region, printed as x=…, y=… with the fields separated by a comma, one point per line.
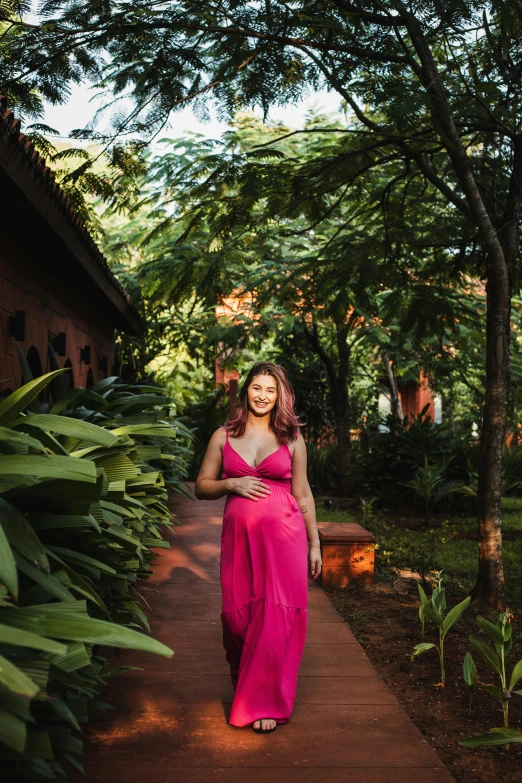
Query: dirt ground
x=386, y=623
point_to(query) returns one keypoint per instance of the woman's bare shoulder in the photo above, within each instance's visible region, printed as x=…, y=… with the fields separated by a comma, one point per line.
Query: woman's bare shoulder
x=219, y=437
x=298, y=445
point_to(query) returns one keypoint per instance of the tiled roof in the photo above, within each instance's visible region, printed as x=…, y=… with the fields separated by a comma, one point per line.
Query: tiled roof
x=10, y=129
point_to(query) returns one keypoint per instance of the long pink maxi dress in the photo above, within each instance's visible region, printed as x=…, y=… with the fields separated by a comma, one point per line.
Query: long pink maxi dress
x=264, y=587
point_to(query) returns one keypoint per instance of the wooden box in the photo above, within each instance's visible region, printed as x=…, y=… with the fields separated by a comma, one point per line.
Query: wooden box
x=347, y=551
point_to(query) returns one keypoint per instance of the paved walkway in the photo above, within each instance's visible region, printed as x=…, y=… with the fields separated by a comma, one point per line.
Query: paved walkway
x=171, y=719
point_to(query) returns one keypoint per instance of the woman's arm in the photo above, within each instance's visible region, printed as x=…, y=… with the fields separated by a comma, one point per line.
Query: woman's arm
x=210, y=487
x=303, y=494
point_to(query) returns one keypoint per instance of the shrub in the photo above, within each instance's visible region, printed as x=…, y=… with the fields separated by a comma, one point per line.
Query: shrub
x=397, y=458
x=83, y=502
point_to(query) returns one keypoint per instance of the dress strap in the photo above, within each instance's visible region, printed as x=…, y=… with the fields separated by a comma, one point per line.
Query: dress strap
x=226, y=434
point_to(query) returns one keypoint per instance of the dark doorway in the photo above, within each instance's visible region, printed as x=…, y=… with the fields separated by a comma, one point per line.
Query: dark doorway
x=34, y=362
x=70, y=374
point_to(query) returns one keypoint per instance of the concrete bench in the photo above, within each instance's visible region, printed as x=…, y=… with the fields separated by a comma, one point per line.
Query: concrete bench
x=347, y=551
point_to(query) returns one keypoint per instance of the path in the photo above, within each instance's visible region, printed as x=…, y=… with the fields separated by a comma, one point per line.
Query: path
x=170, y=724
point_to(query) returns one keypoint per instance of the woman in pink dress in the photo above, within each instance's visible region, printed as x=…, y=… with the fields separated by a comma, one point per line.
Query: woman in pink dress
x=269, y=537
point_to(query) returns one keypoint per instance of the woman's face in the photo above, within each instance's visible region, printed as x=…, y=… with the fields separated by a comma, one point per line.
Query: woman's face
x=262, y=394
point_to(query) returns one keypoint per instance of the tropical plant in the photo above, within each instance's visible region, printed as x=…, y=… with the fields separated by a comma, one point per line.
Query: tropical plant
x=500, y=634
x=434, y=610
x=431, y=485
x=469, y=671
x=83, y=505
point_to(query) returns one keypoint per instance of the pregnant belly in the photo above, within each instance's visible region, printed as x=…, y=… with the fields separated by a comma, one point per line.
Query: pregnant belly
x=277, y=511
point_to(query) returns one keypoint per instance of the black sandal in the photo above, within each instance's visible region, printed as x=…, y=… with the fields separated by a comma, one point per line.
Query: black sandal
x=263, y=731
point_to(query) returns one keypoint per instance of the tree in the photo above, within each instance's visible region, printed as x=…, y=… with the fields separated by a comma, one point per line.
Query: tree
x=221, y=228
x=437, y=86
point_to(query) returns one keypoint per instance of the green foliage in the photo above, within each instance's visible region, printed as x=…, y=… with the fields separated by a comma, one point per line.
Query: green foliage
x=470, y=675
x=204, y=417
x=501, y=634
x=430, y=486
x=433, y=609
x=84, y=489
x=321, y=464
x=429, y=459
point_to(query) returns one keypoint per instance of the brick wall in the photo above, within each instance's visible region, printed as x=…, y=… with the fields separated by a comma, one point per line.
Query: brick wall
x=46, y=314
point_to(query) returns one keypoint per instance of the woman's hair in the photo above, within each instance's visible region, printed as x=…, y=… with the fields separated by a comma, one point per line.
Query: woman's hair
x=283, y=421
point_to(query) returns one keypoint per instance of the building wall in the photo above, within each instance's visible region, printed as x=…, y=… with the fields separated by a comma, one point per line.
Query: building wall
x=46, y=315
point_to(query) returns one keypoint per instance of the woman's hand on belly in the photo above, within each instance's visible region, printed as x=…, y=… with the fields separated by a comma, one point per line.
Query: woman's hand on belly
x=248, y=487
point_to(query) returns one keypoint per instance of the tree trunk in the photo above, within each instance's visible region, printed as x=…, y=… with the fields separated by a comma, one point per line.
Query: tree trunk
x=489, y=587
x=396, y=406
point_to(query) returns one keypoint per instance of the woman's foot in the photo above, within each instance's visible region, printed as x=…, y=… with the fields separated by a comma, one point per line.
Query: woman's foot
x=264, y=725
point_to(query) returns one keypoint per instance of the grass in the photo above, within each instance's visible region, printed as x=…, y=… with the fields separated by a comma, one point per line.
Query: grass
x=336, y=515
x=403, y=547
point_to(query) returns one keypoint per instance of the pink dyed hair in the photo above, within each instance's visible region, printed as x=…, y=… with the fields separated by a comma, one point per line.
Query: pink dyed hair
x=283, y=421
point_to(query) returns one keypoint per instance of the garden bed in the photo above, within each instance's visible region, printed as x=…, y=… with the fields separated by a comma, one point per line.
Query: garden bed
x=387, y=625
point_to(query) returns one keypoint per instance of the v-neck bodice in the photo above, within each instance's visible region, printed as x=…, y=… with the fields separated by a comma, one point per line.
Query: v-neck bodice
x=276, y=466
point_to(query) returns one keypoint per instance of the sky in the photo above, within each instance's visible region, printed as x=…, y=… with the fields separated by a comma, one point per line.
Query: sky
x=79, y=110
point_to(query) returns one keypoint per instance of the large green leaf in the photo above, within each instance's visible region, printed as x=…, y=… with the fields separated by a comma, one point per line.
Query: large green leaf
x=516, y=675
x=492, y=631
x=470, y=670
x=493, y=737
x=81, y=559
x=488, y=655
x=55, y=521
x=152, y=430
x=21, y=535
x=15, y=403
x=432, y=613
x=8, y=575
x=454, y=614
x=139, y=401
x=74, y=428
x=13, y=731
x=49, y=582
x=51, y=466
x=15, y=680
x=79, y=584
x=19, y=638
x=21, y=439
x=420, y=648
x=47, y=440
x=74, y=396
x=117, y=467
x=49, y=620
x=75, y=657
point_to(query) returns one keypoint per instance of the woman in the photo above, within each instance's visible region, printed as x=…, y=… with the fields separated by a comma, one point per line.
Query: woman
x=269, y=515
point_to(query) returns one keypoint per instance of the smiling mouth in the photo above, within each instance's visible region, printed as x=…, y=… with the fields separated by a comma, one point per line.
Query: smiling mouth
x=261, y=404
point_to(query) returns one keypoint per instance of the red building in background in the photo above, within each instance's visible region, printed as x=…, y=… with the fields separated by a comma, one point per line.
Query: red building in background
x=55, y=285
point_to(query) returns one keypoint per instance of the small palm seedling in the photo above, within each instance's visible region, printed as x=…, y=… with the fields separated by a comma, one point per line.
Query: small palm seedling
x=434, y=609
x=431, y=487
x=495, y=657
x=368, y=508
